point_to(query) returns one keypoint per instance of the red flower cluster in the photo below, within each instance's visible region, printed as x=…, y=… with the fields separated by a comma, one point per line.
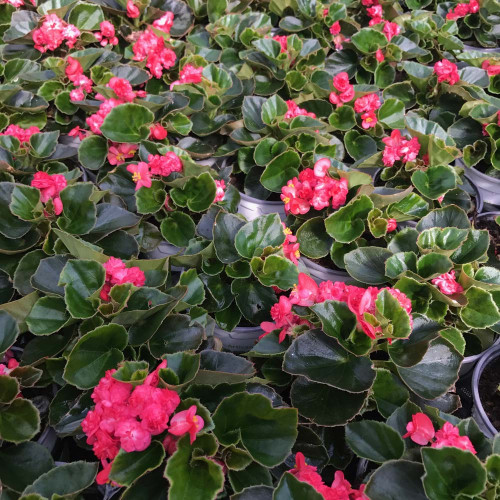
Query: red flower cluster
x=343, y=87
x=447, y=283
x=339, y=490
x=117, y=273
x=376, y=13
x=17, y=3
x=96, y=120
x=165, y=22
x=158, y=165
x=463, y=9
x=127, y=417
x=53, y=32
x=282, y=40
x=291, y=246
x=491, y=69
x=294, y=111
x=421, y=431
x=107, y=34
x=21, y=134
x=122, y=89
x=74, y=72
x=314, y=188
x=398, y=148
x=367, y=106
x=307, y=293
x=446, y=71
x=151, y=47
x=11, y=365
x=132, y=10
x=50, y=186
x=188, y=74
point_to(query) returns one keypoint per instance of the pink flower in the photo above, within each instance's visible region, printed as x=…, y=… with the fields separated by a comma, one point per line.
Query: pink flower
x=391, y=225
x=376, y=13
x=158, y=132
x=399, y=148
x=140, y=175
x=379, y=55
x=325, y=12
x=21, y=134
x=219, y=194
x=462, y=9
x=367, y=103
x=151, y=47
x=50, y=186
x=447, y=283
x=282, y=40
x=335, y=28
x=132, y=10
x=391, y=29
x=345, y=89
x=165, y=22
x=449, y=435
x=491, y=69
x=420, y=429
x=321, y=167
x=74, y=69
x=186, y=422
x=119, y=153
x=53, y=32
x=170, y=444
x=133, y=437
x=122, y=89
x=305, y=293
x=369, y=120
x=188, y=74
x=165, y=165
x=107, y=34
x=446, y=71
x=294, y=111
x=290, y=245
x=77, y=95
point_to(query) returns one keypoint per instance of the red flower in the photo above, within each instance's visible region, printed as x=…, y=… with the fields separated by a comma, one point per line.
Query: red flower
x=122, y=89
x=282, y=40
x=140, y=175
x=449, y=435
x=151, y=47
x=119, y=153
x=294, y=110
x=50, y=186
x=391, y=29
x=369, y=120
x=53, y=32
x=132, y=10
x=158, y=132
x=391, y=225
x=23, y=135
x=420, y=429
x=107, y=34
x=447, y=283
x=188, y=74
x=367, y=103
x=186, y=422
x=379, y=55
x=305, y=293
x=446, y=71
x=219, y=194
x=491, y=69
x=335, y=28
x=165, y=22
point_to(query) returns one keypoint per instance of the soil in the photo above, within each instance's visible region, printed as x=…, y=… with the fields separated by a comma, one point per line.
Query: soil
x=494, y=230
x=489, y=392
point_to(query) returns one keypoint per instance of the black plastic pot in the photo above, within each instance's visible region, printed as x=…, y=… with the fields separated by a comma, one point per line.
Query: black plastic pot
x=320, y=273
x=241, y=339
x=252, y=208
x=483, y=421
x=470, y=362
x=469, y=48
x=488, y=187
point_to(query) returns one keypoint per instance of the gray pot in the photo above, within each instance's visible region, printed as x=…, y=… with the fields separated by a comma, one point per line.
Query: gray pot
x=469, y=48
x=320, y=273
x=241, y=339
x=166, y=249
x=488, y=187
x=470, y=362
x=252, y=208
x=478, y=412
x=48, y=438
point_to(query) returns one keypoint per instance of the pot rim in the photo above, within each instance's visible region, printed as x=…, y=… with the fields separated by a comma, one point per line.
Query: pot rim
x=491, y=50
x=484, y=215
x=481, y=175
x=311, y=265
x=475, y=357
x=490, y=355
x=240, y=329
x=261, y=202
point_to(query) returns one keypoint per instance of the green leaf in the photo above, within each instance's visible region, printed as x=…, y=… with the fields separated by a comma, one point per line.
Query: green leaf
x=93, y=151
x=262, y=232
x=280, y=170
x=79, y=212
x=9, y=389
x=451, y=472
x=435, y=373
x=450, y=216
x=394, y=319
x=127, y=123
x=388, y=392
x=44, y=144
x=151, y=200
x=290, y=488
x=224, y=232
x=223, y=367
x=275, y=270
x=273, y=109
x=198, y=193
x=26, y=202
x=20, y=421
x=435, y=181
x=253, y=475
x=321, y=359
x=252, y=113
x=176, y=334
x=9, y=331
x=253, y=299
x=481, y=310
x=47, y=316
x=267, y=433
x=376, y=441
x=191, y=474
x=94, y=354
x=359, y=145
x=128, y=467
x=384, y=76
x=369, y=40
x=343, y=118
x=195, y=289
x=82, y=279
x=395, y=480
x=313, y=401
x=178, y=228
x=64, y=480
x=313, y=240
x=348, y=222
x=22, y=464
x=367, y=264
x=433, y=265
x=86, y=16
x=392, y=113
x=444, y=241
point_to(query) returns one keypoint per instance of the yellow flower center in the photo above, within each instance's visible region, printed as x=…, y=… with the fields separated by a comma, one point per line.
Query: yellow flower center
x=297, y=254
x=288, y=230
x=286, y=199
x=136, y=176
